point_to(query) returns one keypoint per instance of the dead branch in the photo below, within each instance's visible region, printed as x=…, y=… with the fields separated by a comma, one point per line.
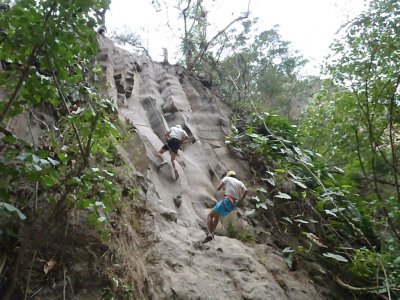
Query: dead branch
x=353, y=288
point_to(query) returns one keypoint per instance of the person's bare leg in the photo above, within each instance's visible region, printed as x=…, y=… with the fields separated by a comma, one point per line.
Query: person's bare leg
x=173, y=157
x=209, y=221
x=160, y=155
x=214, y=221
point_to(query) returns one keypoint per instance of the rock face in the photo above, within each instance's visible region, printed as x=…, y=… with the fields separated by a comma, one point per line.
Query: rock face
x=153, y=97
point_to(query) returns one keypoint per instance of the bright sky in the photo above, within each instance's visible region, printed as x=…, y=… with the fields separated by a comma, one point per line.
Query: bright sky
x=310, y=25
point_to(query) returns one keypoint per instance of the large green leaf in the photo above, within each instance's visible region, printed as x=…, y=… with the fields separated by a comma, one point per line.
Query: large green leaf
x=12, y=208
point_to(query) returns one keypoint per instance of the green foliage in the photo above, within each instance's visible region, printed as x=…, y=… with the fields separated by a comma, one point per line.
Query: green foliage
x=202, y=46
x=231, y=231
x=247, y=236
x=9, y=215
x=267, y=134
x=49, y=48
x=263, y=67
x=365, y=263
x=243, y=62
x=354, y=122
x=126, y=37
x=321, y=195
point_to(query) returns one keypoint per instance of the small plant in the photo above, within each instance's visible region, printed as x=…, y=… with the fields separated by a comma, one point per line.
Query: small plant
x=248, y=235
x=231, y=231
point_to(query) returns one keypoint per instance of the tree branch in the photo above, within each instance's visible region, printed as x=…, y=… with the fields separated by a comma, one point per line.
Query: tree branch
x=55, y=80
x=25, y=69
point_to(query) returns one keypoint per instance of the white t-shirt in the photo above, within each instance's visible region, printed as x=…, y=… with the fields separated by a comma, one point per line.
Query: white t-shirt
x=232, y=186
x=177, y=133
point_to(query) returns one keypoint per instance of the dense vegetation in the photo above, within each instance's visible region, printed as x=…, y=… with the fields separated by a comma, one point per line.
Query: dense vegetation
x=330, y=187
x=51, y=82
x=342, y=162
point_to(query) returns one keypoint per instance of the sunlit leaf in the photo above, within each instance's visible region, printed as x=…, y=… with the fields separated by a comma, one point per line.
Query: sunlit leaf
x=108, y=173
x=37, y=168
x=329, y=212
x=301, y=221
x=101, y=219
x=299, y=183
x=262, y=190
x=287, y=250
x=52, y=161
x=44, y=162
x=282, y=196
x=269, y=180
x=335, y=256
x=339, y=170
x=12, y=208
x=269, y=202
x=289, y=261
x=314, y=239
x=288, y=219
x=99, y=204
x=250, y=212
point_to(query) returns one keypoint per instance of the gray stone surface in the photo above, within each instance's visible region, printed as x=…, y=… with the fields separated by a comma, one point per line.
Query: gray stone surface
x=157, y=97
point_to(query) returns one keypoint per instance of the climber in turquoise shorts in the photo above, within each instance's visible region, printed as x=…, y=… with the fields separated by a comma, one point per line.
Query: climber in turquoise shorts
x=234, y=195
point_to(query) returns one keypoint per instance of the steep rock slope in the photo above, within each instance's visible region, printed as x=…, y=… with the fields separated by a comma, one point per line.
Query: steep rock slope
x=152, y=97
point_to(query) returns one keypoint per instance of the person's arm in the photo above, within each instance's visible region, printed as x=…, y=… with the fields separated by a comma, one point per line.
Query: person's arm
x=243, y=192
x=166, y=134
x=185, y=136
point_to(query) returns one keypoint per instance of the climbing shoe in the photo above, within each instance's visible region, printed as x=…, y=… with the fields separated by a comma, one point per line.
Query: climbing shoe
x=176, y=174
x=208, y=238
x=162, y=164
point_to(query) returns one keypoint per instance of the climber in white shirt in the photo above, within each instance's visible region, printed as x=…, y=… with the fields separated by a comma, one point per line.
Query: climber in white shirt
x=234, y=195
x=176, y=135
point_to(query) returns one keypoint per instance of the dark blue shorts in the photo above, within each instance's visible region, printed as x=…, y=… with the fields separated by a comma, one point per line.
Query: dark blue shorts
x=173, y=145
x=224, y=207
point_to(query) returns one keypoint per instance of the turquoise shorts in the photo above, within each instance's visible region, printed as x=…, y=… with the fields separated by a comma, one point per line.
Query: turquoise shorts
x=224, y=207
